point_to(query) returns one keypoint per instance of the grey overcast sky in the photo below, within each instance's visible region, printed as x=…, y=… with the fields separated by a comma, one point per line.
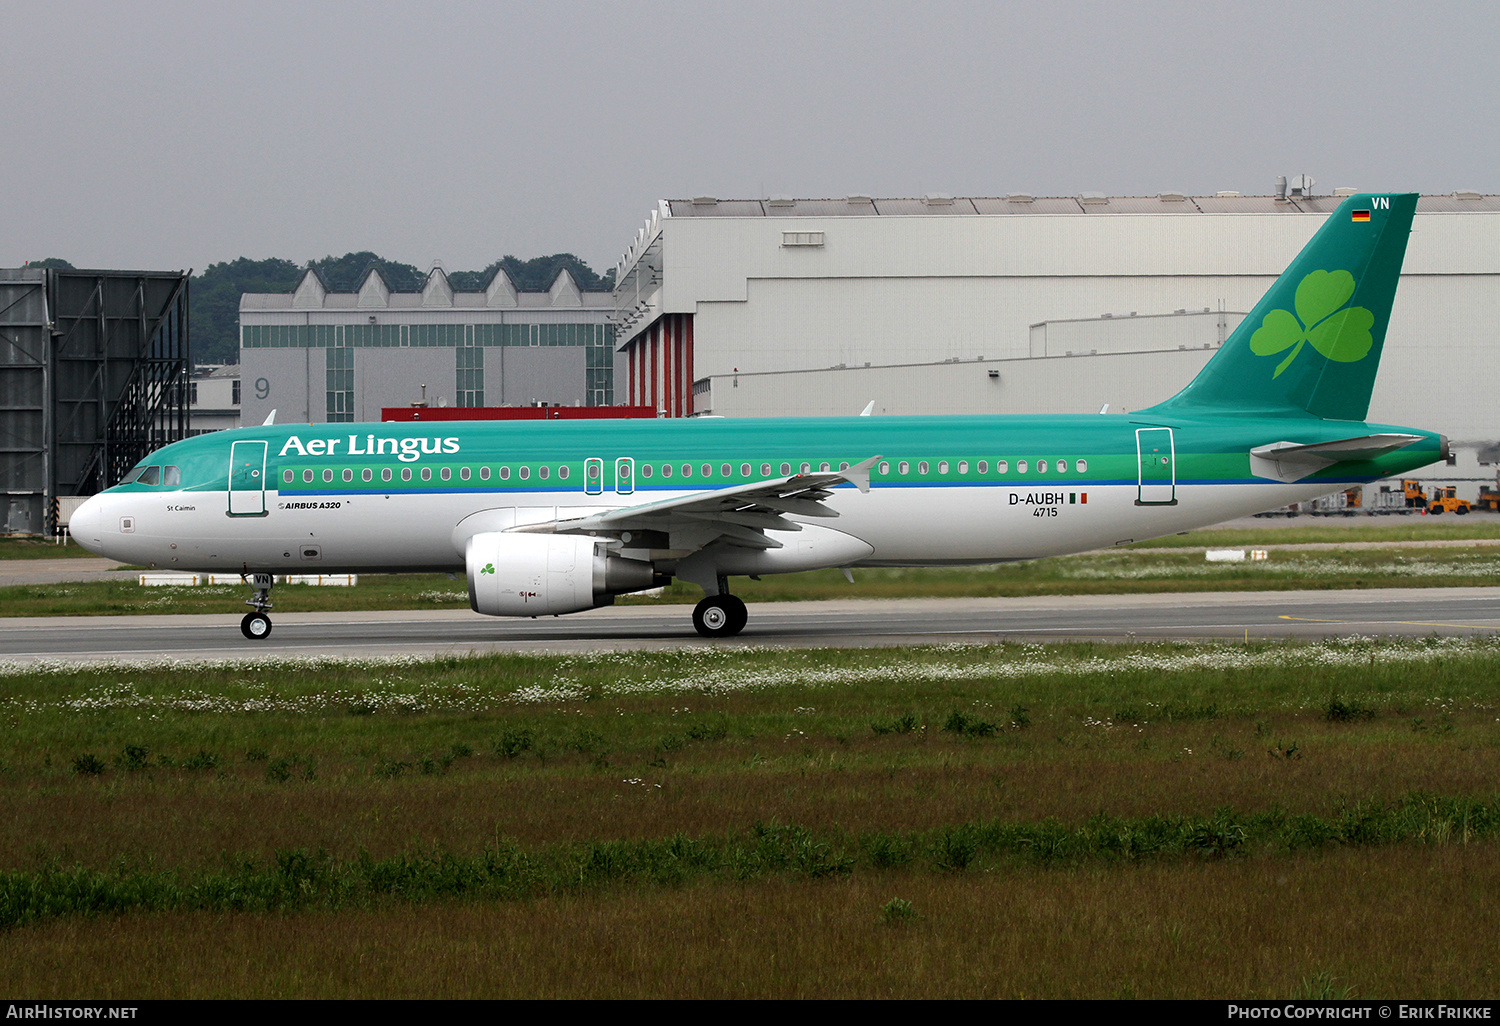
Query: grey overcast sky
x=173, y=135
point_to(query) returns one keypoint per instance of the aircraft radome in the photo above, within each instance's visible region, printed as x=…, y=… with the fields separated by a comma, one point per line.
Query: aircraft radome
x=550, y=517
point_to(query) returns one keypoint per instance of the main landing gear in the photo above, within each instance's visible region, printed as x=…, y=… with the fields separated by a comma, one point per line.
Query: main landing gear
x=257, y=625
x=721, y=615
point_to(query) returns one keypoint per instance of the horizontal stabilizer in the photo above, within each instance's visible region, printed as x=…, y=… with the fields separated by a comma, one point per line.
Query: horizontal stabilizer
x=1292, y=461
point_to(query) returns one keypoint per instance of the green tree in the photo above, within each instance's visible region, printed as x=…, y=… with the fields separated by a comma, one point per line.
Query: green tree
x=535, y=275
x=347, y=273
x=214, y=303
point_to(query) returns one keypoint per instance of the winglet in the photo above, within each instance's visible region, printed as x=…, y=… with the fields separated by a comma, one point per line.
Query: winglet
x=270, y=419
x=859, y=474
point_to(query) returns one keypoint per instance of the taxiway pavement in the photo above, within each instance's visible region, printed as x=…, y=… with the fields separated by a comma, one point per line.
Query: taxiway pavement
x=1405, y=612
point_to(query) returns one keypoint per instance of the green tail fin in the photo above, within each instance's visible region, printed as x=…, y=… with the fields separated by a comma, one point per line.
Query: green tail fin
x=1312, y=344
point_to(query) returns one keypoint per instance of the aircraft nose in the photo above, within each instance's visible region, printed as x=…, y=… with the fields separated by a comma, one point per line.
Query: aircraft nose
x=86, y=525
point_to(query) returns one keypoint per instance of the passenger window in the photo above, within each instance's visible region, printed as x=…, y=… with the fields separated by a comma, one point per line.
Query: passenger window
x=463, y=475
x=1041, y=466
x=1002, y=466
x=885, y=468
x=505, y=473
x=903, y=466
x=524, y=472
x=385, y=473
x=426, y=473
x=724, y=471
x=286, y=477
x=645, y=470
x=307, y=476
x=447, y=473
x=406, y=473
x=942, y=466
x=666, y=470
x=843, y=466
x=963, y=466
x=367, y=474
x=823, y=468
x=149, y=476
x=1062, y=466
x=1020, y=466
x=984, y=466
x=786, y=468
x=765, y=470
x=687, y=470
x=172, y=477
x=348, y=475
x=542, y=472
x=744, y=470
x=806, y=467
x=484, y=474
x=562, y=472
x=922, y=467
x=327, y=476
x=1082, y=465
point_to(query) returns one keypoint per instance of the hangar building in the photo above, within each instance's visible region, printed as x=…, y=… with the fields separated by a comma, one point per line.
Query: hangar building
x=93, y=376
x=1022, y=304
x=319, y=356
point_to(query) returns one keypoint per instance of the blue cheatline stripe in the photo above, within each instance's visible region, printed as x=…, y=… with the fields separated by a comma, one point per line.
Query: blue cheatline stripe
x=1054, y=483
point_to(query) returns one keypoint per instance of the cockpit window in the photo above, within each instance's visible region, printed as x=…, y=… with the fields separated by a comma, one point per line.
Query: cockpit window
x=149, y=476
x=130, y=477
x=171, y=477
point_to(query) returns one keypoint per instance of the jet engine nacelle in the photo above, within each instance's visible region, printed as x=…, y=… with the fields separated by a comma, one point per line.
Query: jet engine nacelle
x=544, y=574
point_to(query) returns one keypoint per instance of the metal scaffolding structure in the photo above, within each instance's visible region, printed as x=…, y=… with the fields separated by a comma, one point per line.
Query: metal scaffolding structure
x=93, y=376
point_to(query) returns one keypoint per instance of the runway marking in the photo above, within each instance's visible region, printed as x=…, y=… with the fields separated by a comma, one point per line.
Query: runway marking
x=1401, y=623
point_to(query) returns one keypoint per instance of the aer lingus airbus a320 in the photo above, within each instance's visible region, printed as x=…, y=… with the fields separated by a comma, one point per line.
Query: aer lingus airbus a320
x=552, y=517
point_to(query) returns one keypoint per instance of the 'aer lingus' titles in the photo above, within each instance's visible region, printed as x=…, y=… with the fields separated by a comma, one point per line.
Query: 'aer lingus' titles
x=407, y=450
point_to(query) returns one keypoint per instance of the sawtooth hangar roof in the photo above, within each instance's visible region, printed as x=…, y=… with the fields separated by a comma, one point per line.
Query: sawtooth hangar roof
x=942, y=205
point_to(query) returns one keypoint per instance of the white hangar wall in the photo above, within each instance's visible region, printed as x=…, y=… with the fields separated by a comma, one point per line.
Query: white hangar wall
x=798, y=295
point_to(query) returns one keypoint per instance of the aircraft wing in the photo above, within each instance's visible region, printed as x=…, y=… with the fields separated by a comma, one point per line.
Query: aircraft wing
x=740, y=515
x=1291, y=461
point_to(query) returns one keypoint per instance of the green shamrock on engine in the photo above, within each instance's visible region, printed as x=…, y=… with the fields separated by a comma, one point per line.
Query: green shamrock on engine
x=1339, y=334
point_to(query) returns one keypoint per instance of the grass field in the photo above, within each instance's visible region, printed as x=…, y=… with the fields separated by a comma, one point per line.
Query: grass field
x=1015, y=820
x=1339, y=531
x=23, y=547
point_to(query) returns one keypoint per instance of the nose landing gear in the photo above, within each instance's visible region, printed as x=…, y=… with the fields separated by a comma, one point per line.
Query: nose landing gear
x=257, y=625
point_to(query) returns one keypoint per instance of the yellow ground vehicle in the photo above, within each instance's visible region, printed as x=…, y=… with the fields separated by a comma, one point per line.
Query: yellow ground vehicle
x=1446, y=500
x=1415, y=497
x=1489, y=498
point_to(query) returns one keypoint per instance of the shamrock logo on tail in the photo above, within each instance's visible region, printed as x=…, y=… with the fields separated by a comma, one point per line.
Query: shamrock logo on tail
x=1339, y=334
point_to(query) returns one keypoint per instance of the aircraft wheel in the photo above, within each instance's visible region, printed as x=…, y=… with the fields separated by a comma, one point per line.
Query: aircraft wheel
x=719, y=616
x=256, y=626
x=741, y=614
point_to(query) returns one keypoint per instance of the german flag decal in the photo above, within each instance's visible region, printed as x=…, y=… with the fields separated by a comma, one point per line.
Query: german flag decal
x=1361, y=215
